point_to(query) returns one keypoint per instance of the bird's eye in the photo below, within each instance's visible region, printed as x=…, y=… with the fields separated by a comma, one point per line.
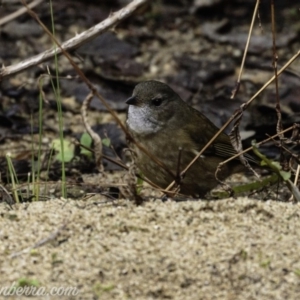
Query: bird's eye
x=157, y=101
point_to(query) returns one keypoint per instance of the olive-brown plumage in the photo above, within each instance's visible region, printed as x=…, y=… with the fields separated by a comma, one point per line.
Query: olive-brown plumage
x=163, y=123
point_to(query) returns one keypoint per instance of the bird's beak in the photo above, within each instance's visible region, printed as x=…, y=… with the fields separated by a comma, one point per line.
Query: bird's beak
x=131, y=101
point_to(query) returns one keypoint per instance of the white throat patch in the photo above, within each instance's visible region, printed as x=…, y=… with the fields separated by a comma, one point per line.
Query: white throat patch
x=139, y=120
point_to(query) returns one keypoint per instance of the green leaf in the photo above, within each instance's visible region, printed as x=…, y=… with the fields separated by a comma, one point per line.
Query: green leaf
x=140, y=182
x=68, y=149
x=285, y=175
x=276, y=167
x=86, y=141
x=295, y=191
x=106, y=142
x=22, y=282
x=273, y=165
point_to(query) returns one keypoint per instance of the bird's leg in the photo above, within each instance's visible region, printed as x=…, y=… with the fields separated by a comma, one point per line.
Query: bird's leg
x=178, y=177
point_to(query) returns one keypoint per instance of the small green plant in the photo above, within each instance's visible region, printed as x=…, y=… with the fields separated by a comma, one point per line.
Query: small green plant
x=277, y=169
x=13, y=177
x=297, y=272
x=266, y=263
x=106, y=142
x=22, y=282
x=99, y=288
x=86, y=141
x=65, y=153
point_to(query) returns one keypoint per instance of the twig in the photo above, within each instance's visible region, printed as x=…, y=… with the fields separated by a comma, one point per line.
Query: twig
x=19, y=12
x=237, y=86
x=42, y=242
x=274, y=64
x=257, y=144
x=95, y=137
x=8, y=199
x=297, y=175
x=75, y=42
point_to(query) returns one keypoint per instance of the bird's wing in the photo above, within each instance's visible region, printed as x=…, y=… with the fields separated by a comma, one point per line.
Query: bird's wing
x=202, y=134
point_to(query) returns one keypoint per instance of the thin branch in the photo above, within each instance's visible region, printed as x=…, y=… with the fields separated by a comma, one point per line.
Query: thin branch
x=257, y=144
x=237, y=86
x=19, y=12
x=274, y=63
x=41, y=242
x=95, y=137
x=75, y=42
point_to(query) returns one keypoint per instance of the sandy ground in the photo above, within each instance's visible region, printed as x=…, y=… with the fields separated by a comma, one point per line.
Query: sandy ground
x=228, y=249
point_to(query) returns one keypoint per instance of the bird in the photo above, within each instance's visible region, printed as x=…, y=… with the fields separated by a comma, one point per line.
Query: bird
x=174, y=132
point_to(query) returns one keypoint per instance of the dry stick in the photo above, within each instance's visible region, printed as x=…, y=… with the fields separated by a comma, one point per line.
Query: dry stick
x=74, y=42
x=277, y=106
x=42, y=242
x=178, y=177
x=257, y=144
x=292, y=198
x=236, y=142
x=19, y=12
x=237, y=86
x=11, y=201
x=95, y=137
x=235, y=136
x=297, y=175
x=274, y=63
x=234, y=116
x=123, y=12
